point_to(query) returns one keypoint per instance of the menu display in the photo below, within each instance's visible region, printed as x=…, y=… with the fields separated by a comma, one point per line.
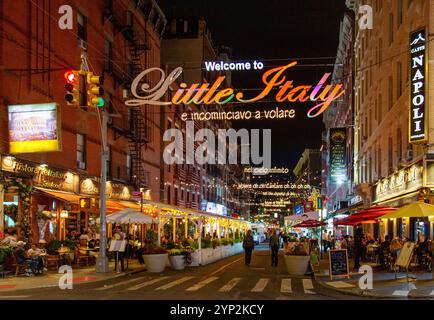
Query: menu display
x=338, y=263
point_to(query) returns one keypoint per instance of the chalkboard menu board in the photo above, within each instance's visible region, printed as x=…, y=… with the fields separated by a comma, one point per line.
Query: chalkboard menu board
x=338, y=263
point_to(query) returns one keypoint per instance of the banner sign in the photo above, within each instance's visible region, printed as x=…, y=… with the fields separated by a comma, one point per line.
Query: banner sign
x=338, y=155
x=34, y=128
x=417, y=126
x=321, y=95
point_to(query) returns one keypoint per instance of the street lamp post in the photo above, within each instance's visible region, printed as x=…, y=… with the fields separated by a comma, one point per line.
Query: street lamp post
x=102, y=260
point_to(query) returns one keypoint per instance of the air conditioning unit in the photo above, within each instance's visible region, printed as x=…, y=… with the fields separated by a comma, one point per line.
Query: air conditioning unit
x=81, y=165
x=82, y=44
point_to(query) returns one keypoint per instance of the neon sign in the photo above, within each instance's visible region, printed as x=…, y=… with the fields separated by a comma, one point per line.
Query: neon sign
x=207, y=93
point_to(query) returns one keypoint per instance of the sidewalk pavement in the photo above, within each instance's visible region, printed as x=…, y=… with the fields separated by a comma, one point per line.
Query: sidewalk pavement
x=51, y=278
x=386, y=285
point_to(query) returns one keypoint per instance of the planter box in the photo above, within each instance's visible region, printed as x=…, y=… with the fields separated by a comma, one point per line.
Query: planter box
x=296, y=265
x=177, y=262
x=155, y=262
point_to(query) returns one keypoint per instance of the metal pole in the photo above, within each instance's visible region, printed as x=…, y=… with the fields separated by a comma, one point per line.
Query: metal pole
x=102, y=261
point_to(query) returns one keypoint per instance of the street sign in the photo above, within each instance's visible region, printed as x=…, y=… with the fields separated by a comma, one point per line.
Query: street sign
x=137, y=196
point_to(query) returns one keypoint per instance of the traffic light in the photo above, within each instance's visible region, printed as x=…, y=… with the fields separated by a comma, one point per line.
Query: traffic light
x=95, y=91
x=72, y=87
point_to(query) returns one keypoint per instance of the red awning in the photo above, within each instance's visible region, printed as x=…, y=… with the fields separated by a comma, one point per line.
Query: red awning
x=309, y=224
x=365, y=216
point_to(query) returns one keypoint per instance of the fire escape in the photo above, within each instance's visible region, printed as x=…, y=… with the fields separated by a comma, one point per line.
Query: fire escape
x=133, y=125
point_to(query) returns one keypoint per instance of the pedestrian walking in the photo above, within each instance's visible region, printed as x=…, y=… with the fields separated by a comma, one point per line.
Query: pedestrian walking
x=248, y=245
x=274, y=246
x=358, y=245
x=119, y=235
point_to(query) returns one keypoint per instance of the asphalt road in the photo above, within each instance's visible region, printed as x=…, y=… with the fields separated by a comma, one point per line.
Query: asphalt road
x=228, y=279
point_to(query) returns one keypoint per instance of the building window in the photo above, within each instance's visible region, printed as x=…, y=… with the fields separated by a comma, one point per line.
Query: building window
x=379, y=163
x=400, y=5
x=182, y=194
x=399, y=143
x=390, y=87
x=81, y=151
x=108, y=56
x=391, y=29
x=390, y=156
x=81, y=27
x=176, y=196
x=380, y=108
x=399, y=79
x=168, y=195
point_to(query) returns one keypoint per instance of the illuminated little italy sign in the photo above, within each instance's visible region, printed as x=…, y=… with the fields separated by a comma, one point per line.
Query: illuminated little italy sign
x=274, y=80
x=417, y=120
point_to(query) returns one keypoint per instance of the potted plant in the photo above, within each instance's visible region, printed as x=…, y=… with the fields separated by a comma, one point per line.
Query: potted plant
x=53, y=246
x=5, y=253
x=179, y=258
x=297, y=258
x=154, y=256
x=71, y=246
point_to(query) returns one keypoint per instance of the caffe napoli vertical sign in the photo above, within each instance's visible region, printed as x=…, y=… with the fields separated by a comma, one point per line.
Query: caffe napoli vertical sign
x=338, y=155
x=418, y=70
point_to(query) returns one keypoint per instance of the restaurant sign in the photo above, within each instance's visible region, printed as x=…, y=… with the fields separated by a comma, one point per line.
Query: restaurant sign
x=42, y=176
x=404, y=181
x=418, y=72
x=338, y=155
x=114, y=190
x=34, y=128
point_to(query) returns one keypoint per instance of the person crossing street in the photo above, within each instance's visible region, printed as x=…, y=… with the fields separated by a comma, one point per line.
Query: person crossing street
x=248, y=245
x=274, y=246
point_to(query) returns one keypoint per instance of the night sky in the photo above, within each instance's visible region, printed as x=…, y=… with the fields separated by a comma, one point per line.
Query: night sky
x=275, y=32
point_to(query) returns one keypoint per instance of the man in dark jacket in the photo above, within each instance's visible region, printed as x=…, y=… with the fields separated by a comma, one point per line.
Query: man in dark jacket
x=358, y=245
x=274, y=245
x=248, y=245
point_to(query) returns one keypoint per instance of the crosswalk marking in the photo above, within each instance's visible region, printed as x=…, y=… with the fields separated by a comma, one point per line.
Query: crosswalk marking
x=146, y=283
x=308, y=286
x=432, y=293
x=202, y=284
x=400, y=293
x=340, y=284
x=106, y=287
x=285, y=286
x=175, y=283
x=230, y=285
x=260, y=285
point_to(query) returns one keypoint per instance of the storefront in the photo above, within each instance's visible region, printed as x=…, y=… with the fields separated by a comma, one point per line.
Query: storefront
x=409, y=184
x=46, y=203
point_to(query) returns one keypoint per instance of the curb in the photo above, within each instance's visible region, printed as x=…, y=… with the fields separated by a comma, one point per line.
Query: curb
x=367, y=294
x=120, y=275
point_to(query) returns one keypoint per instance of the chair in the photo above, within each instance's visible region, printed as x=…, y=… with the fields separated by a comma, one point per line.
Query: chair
x=53, y=261
x=81, y=255
x=19, y=267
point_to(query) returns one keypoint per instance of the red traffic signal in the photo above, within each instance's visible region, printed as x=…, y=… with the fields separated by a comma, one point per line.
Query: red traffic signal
x=70, y=77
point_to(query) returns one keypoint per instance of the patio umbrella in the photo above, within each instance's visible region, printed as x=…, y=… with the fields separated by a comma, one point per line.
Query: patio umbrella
x=369, y=215
x=129, y=216
x=310, y=224
x=412, y=210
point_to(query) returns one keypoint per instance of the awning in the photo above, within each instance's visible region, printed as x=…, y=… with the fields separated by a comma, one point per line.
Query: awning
x=365, y=216
x=118, y=205
x=64, y=196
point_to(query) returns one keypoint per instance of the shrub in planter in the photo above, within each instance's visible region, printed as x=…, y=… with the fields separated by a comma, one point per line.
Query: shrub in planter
x=179, y=258
x=297, y=258
x=53, y=246
x=231, y=242
x=206, y=242
x=224, y=242
x=170, y=245
x=5, y=252
x=215, y=243
x=155, y=257
x=69, y=244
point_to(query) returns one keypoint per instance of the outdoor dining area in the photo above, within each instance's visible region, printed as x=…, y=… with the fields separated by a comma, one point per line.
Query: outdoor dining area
x=151, y=229
x=383, y=251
